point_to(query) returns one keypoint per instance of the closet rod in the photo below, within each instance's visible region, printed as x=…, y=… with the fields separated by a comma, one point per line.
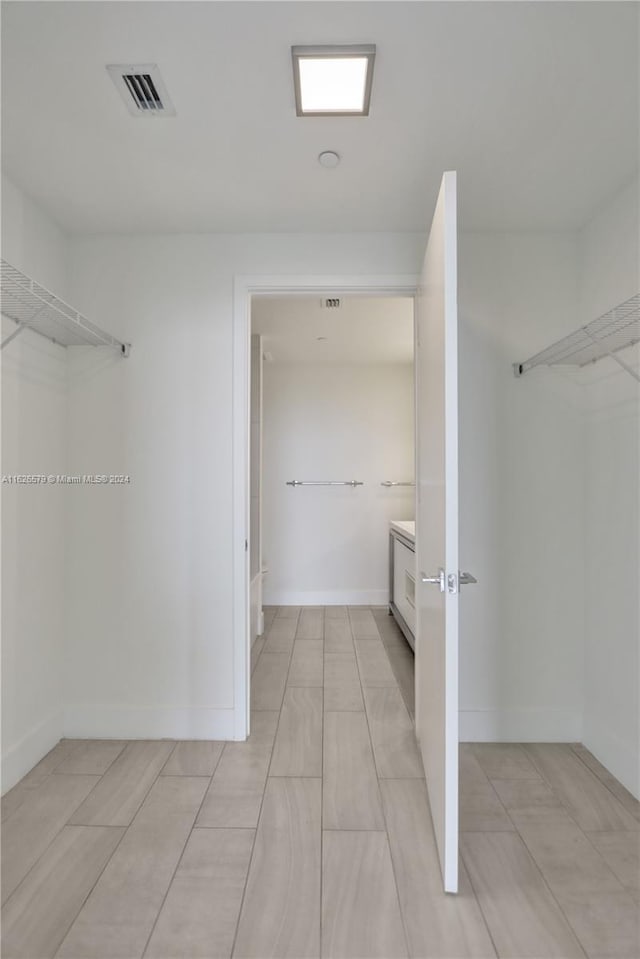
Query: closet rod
x=393, y=483
x=324, y=483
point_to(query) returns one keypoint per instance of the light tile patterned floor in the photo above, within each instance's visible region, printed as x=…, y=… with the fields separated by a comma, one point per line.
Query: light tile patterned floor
x=313, y=838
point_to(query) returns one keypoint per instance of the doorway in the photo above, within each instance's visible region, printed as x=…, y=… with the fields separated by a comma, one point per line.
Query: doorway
x=332, y=447
x=245, y=288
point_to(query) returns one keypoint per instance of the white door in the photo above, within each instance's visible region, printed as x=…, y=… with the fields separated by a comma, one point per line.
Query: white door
x=438, y=578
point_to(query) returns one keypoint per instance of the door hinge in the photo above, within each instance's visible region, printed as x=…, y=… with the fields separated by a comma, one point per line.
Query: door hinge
x=246, y=545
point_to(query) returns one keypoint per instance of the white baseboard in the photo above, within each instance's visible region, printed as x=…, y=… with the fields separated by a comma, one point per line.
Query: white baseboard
x=331, y=597
x=519, y=725
x=616, y=755
x=152, y=722
x=18, y=759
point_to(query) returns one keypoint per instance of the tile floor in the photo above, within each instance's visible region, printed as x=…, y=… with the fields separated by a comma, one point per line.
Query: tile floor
x=313, y=838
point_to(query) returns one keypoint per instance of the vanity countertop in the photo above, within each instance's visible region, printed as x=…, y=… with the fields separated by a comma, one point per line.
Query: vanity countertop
x=406, y=527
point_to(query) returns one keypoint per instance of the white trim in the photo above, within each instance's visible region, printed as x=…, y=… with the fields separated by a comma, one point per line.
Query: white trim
x=244, y=286
x=452, y=508
x=23, y=756
x=520, y=726
x=331, y=597
x=148, y=722
x=255, y=607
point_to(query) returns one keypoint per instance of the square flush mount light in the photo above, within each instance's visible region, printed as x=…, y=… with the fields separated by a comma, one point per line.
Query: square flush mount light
x=333, y=81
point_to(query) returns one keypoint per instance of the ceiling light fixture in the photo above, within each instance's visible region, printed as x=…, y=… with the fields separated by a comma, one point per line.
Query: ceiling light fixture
x=333, y=81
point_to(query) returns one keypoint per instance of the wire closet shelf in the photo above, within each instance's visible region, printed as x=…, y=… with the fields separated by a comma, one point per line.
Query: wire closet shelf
x=33, y=307
x=606, y=336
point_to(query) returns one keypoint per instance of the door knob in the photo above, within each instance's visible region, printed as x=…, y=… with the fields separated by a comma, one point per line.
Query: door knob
x=439, y=580
x=449, y=583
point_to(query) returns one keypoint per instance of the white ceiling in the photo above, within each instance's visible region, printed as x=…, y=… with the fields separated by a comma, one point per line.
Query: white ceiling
x=535, y=104
x=364, y=330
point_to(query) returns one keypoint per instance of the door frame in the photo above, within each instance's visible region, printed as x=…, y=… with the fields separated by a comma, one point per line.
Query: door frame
x=244, y=287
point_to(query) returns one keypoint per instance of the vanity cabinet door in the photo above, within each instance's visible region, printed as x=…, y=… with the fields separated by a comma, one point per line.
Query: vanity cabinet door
x=404, y=582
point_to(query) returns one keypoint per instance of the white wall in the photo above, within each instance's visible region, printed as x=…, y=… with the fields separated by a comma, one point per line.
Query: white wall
x=33, y=517
x=329, y=545
x=609, y=255
x=31, y=241
x=150, y=646
x=522, y=494
x=609, y=274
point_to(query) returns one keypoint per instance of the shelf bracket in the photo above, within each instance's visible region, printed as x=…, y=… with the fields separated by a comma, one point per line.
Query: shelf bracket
x=614, y=356
x=19, y=328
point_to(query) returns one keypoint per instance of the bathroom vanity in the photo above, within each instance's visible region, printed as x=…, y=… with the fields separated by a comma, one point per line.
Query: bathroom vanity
x=402, y=576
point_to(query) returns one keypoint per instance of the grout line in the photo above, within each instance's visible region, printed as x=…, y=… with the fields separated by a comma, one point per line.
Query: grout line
x=59, y=775
x=384, y=815
x=495, y=793
x=73, y=750
x=604, y=862
x=568, y=812
x=207, y=776
x=517, y=832
x=180, y=857
x=165, y=764
x=123, y=746
x=64, y=826
x=28, y=788
x=139, y=806
x=264, y=789
x=125, y=830
x=233, y=828
x=82, y=826
x=43, y=853
x=99, y=778
x=280, y=709
x=356, y=829
x=568, y=809
x=476, y=897
x=606, y=784
x=552, y=894
x=401, y=779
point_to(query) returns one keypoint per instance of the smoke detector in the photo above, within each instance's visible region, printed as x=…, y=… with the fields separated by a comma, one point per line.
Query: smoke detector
x=142, y=89
x=329, y=159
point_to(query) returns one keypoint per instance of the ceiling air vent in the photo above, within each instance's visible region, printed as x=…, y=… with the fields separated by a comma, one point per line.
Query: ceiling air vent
x=142, y=89
x=332, y=303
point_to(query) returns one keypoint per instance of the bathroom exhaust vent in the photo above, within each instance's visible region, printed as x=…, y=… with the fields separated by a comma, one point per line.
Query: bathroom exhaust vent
x=142, y=89
x=331, y=303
